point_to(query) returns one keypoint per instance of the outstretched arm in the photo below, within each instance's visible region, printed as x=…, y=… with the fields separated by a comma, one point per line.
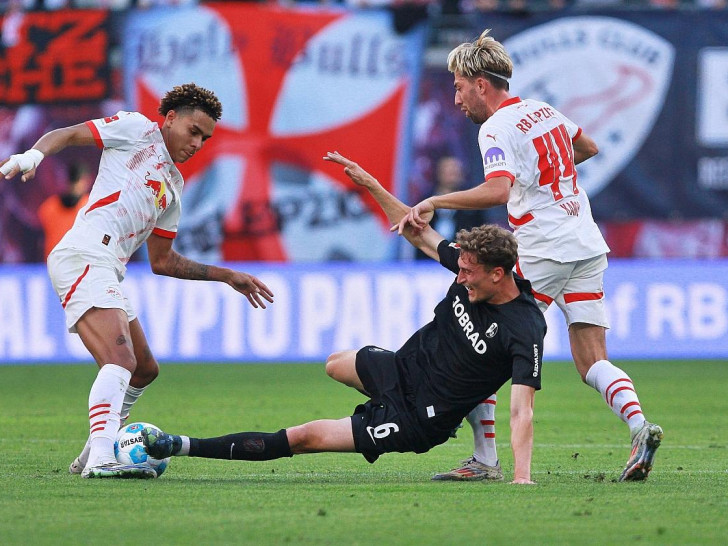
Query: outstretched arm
x=165, y=261
x=522, y=432
x=489, y=194
x=425, y=239
x=50, y=143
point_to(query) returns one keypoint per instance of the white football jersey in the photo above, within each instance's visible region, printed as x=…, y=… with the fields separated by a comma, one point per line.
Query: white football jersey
x=530, y=142
x=137, y=191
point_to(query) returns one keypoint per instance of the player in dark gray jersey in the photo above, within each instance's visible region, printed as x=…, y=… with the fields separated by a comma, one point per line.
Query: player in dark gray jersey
x=487, y=330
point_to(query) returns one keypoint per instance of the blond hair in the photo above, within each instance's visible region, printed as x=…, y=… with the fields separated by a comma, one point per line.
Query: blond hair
x=485, y=57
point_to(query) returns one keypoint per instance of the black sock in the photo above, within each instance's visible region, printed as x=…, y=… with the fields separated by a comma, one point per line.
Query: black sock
x=245, y=446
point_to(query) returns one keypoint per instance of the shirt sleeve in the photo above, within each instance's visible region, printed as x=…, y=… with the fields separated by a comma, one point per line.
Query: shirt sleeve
x=122, y=130
x=449, y=253
x=168, y=221
x=499, y=158
x=527, y=354
x=571, y=128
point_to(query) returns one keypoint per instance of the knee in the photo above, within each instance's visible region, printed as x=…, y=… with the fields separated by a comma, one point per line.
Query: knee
x=299, y=438
x=333, y=365
x=125, y=359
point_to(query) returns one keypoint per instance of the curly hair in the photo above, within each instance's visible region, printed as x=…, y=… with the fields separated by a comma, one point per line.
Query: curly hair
x=492, y=245
x=189, y=97
x=484, y=56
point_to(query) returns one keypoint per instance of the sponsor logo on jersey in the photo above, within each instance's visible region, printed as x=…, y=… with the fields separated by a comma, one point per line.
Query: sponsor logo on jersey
x=492, y=330
x=494, y=157
x=535, y=360
x=159, y=189
x=463, y=319
x=607, y=75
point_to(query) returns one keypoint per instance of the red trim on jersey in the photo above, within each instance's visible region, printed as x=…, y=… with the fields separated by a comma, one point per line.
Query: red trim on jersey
x=164, y=233
x=526, y=218
x=104, y=201
x=495, y=174
x=489, y=434
x=73, y=289
x=577, y=135
x=96, y=134
x=487, y=422
x=508, y=102
x=583, y=296
x=488, y=401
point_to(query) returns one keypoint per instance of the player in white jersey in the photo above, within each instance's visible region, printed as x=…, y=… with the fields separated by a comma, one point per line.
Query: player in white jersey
x=530, y=151
x=136, y=198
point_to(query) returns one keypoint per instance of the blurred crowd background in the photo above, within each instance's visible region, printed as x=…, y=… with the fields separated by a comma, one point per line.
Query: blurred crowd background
x=441, y=153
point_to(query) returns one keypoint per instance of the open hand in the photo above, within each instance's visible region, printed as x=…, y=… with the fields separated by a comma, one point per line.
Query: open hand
x=252, y=288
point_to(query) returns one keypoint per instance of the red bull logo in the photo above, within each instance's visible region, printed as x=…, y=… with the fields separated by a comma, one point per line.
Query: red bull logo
x=159, y=189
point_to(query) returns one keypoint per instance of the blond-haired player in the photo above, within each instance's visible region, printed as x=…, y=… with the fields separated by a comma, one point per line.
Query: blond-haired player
x=530, y=151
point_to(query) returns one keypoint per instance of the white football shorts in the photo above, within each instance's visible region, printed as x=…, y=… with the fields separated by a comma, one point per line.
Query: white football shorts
x=83, y=281
x=576, y=287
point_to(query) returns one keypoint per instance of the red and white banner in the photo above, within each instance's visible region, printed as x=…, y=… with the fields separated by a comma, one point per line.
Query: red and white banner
x=294, y=84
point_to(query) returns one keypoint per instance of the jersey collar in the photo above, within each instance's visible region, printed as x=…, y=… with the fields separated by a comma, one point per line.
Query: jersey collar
x=508, y=102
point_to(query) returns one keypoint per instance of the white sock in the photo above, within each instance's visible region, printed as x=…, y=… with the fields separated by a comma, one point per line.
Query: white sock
x=130, y=397
x=482, y=419
x=618, y=391
x=185, y=449
x=104, y=402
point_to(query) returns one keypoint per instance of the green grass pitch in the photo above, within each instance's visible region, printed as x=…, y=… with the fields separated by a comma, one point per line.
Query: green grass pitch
x=580, y=449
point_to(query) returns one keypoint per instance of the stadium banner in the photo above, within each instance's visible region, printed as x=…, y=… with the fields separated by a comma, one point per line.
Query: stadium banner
x=657, y=309
x=645, y=84
x=54, y=57
x=295, y=82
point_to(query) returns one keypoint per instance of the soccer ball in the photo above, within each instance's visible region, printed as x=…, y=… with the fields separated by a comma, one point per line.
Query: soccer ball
x=129, y=448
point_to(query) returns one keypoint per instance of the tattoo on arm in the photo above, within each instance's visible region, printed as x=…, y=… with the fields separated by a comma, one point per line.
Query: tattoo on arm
x=184, y=268
x=121, y=340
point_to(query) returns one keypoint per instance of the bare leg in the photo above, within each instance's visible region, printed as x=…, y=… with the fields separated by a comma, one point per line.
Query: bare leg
x=589, y=349
x=322, y=435
x=341, y=366
x=105, y=333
